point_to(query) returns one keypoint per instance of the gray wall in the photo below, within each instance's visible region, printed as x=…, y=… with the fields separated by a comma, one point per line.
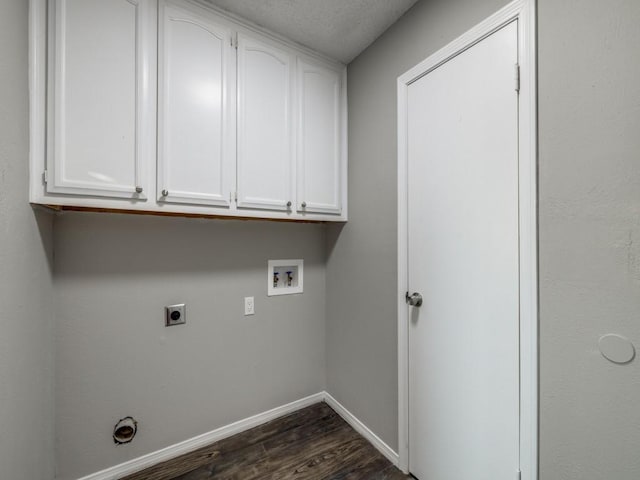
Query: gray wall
x=589, y=106
x=589, y=101
x=223, y=366
x=26, y=320
x=113, y=276
x=362, y=367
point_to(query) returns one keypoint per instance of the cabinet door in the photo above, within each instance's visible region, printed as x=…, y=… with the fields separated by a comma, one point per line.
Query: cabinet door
x=319, y=139
x=100, y=97
x=265, y=137
x=196, y=120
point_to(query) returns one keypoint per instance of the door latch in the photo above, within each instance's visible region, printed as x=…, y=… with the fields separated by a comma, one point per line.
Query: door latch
x=415, y=299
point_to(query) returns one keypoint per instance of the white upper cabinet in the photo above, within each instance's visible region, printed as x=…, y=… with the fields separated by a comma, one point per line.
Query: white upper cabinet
x=100, y=102
x=174, y=107
x=196, y=137
x=319, y=139
x=265, y=137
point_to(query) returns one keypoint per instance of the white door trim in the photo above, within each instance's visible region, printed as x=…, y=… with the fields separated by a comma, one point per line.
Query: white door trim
x=524, y=12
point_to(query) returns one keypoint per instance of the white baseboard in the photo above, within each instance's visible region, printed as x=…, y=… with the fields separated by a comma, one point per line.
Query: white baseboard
x=151, y=459
x=362, y=429
x=146, y=461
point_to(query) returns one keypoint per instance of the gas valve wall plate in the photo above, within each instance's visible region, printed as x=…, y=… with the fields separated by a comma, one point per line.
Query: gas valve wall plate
x=175, y=315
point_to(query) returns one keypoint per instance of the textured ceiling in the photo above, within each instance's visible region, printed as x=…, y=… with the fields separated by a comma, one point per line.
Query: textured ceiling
x=340, y=29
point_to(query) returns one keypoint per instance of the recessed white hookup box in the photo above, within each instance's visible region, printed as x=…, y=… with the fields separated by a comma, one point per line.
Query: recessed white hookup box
x=285, y=277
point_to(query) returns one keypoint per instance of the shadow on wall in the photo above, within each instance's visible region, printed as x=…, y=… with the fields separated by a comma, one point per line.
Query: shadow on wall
x=44, y=222
x=333, y=235
x=104, y=244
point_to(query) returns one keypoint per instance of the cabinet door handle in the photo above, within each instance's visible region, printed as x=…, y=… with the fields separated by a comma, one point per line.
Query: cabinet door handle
x=304, y=205
x=289, y=204
x=139, y=189
x=165, y=193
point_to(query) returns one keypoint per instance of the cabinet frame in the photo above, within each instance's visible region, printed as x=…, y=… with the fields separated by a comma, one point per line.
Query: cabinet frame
x=98, y=202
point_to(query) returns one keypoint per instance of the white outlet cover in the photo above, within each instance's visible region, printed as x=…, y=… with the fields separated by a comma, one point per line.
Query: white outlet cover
x=249, y=306
x=285, y=277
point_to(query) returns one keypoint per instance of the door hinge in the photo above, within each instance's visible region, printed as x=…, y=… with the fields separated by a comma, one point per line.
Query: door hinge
x=234, y=41
x=517, y=77
x=45, y=176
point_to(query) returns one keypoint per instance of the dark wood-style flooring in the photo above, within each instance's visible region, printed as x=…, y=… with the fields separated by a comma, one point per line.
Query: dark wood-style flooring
x=310, y=444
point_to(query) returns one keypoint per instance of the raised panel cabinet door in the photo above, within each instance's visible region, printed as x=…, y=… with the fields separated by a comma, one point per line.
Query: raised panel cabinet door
x=196, y=153
x=100, y=105
x=319, y=142
x=265, y=137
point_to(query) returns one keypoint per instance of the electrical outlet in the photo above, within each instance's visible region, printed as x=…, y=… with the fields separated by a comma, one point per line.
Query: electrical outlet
x=175, y=315
x=249, y=306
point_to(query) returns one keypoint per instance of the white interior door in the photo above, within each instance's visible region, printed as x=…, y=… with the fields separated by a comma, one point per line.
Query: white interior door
x=100, y=97
x=196, y=142
x=463, y=258
x=265, y=138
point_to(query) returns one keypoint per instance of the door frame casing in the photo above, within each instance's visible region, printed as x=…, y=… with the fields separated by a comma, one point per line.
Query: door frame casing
x=524, y=12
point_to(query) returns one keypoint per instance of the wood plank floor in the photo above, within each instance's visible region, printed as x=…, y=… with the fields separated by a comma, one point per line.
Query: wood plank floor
x=311, y=444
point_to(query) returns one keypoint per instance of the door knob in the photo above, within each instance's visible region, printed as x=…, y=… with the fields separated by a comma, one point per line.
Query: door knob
x=415, y=299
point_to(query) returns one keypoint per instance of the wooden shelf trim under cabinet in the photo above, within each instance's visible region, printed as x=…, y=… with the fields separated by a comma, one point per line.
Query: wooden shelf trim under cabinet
x=71, y=208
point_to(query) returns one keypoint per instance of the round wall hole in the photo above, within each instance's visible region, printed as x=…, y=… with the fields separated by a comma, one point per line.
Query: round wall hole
x=125, y=430
x=616, y=348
